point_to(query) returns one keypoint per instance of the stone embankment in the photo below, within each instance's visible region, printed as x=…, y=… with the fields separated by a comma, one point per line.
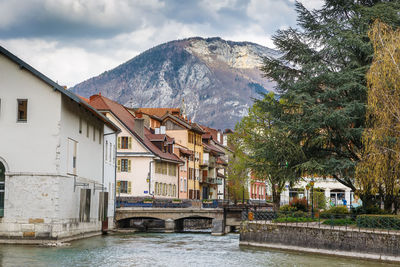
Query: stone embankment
x=356, y=243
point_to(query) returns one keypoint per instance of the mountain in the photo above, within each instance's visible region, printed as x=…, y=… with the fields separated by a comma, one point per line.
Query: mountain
x=216, y=78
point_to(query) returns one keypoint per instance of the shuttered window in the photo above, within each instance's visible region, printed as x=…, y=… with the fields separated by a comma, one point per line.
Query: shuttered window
x=125, y=142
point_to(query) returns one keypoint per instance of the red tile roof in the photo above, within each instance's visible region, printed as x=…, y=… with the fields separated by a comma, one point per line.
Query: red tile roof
x=105, y=104
x=221, y=161
x=212, y=148
x=159, y=112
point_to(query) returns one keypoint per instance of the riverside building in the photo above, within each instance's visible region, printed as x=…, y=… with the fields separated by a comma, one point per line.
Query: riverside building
x=54, y=181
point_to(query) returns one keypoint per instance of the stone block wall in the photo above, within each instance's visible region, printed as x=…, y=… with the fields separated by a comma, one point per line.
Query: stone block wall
x=381, y=243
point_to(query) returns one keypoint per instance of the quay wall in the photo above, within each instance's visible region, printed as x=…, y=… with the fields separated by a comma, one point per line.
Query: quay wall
x=380, y=245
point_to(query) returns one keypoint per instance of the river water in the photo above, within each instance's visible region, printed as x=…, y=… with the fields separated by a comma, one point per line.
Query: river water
x=154, y=249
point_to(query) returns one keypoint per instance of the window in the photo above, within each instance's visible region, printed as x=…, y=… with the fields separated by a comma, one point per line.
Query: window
x=185, y=186
x=125, y=142
x=87, y=130
x=103, y=206
x=125, y=165
x=80, y=125
x=84, y=207
x=22, y=110
x=181, y=185
x=94, y=133
x=171, y=169
x=2, y=189
x=106, y=152
x=156, y=188
x=100, y=136
x=72, y=156
x=124, y=187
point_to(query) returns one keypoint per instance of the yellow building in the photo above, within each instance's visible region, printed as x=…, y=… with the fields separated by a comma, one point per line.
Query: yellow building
x=186, y=134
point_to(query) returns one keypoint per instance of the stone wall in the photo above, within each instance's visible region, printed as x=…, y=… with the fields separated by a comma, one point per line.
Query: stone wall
x=368, y=242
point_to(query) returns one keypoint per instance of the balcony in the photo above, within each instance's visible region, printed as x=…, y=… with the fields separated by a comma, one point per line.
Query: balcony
x=219, y=181
x=211, y=162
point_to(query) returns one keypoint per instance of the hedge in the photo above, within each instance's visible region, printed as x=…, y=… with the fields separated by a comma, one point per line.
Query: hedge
x=390, y=222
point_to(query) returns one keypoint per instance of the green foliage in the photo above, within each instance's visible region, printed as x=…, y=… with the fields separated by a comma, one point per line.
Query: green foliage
x=299, y=204
x=320, y=78
x=294, y=219
x=287, y=208
x=391, y=222
x=319, y=200
x=334, y=211
x=339, y=222
x=266, y=150
x=379, y=171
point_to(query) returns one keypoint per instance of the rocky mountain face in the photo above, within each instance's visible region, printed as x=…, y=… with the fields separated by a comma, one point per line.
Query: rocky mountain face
x=216, y=78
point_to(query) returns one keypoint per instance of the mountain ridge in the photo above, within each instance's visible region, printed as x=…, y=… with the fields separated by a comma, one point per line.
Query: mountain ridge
x=216, y=78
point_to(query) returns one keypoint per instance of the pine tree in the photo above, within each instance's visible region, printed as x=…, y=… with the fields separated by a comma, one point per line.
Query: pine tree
x=320, y=77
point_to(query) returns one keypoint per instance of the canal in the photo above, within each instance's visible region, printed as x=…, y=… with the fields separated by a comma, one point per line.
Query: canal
x=154, y=249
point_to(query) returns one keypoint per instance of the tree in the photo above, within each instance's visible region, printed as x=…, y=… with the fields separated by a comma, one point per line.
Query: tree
x=320, y=78
x=379, y=170
x=267, y=151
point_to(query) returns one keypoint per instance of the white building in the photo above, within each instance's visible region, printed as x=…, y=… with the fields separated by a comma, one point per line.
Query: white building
x=53, y=180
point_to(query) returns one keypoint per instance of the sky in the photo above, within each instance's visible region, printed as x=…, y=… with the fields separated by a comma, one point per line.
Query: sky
x=73, y=40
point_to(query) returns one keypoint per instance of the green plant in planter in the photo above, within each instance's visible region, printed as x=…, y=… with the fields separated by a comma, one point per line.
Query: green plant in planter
x=148, y=200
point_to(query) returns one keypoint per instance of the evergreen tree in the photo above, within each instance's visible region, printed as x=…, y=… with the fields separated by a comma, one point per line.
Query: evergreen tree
x=320, y=78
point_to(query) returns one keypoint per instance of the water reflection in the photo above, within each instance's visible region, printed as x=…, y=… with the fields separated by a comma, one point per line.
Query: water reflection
x=154, y=249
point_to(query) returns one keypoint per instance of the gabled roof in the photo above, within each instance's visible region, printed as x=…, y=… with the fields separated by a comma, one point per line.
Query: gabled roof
x=128, y=120
x=185, y=123
x=159, y=112
x=212, y=148
x=23, y=65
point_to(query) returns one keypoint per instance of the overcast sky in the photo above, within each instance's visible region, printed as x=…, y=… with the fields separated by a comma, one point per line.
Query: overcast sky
x=73, y=40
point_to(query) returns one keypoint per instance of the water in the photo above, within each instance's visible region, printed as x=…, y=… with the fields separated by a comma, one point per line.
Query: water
x=153, y=249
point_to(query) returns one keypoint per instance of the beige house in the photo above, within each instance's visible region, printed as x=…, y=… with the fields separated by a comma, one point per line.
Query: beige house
x=146, y=164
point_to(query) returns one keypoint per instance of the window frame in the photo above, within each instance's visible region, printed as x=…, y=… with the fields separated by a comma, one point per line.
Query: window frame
x=26, y=112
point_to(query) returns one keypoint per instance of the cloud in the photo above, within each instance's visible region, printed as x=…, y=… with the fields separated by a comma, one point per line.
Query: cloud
x=73, y=40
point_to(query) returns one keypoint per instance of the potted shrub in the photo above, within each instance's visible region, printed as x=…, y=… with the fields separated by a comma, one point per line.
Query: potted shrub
x=176, y=201
x=148, y=200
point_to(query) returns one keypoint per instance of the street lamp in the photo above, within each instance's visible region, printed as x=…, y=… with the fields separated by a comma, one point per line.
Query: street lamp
x=312, y=197
x=308, y=191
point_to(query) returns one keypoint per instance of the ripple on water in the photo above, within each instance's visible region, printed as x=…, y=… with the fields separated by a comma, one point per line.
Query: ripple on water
x=154, y=249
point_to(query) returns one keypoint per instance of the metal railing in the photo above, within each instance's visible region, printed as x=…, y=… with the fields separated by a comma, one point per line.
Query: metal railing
x=346, y=222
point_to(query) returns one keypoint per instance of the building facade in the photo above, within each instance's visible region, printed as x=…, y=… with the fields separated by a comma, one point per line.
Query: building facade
x=146, y=164
x=54, y=183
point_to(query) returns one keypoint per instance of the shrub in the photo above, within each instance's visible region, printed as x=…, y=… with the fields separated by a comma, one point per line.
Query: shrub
x=299, y=214
x=299, y=203
x=293, y=219
x=339, y=222
x=379, y=221
x=287, y=208
x=338, y=211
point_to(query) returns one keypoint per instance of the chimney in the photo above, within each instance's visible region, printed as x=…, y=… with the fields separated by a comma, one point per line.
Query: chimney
x=139, y=127
x=138, y=114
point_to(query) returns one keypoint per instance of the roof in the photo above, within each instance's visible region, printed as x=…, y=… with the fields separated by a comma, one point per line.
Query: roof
x=186, y=151
x=220, y=175
x=128, y=120
x=23, y=65
x=213, y=133
x=221, y=161
x=159, y=112
x=212, y=148
x=184, y=122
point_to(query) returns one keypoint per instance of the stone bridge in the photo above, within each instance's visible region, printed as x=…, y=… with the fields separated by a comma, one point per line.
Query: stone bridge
x=222, y=219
